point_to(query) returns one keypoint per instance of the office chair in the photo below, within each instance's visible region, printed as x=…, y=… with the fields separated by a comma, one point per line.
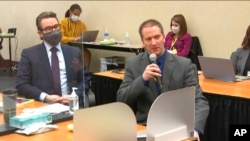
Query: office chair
x=1, y=40
x=195, y=51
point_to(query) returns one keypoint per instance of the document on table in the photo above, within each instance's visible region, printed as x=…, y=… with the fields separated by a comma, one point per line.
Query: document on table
x=51, y=108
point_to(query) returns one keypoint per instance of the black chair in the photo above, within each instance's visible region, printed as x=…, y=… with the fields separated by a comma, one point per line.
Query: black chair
x=195, y=51
x=1, y=41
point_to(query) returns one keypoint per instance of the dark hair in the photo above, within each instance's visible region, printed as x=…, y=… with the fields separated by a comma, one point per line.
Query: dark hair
x=44, y=15
x=246, y=41
x=180, y=19
x=67, y=14
x=72, y=8
x=150, y=23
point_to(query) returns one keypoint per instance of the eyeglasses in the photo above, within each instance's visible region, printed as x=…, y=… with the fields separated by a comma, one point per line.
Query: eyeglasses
x=51, y=28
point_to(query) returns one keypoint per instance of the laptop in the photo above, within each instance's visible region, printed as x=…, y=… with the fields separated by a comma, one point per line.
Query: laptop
x=109, y=122
x=89, y=36
x=219, y=68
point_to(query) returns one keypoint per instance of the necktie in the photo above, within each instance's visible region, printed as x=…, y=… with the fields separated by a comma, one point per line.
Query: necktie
x=55, y=71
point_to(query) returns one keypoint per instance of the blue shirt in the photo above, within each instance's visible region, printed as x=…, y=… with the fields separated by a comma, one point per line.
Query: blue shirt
x=160, y=60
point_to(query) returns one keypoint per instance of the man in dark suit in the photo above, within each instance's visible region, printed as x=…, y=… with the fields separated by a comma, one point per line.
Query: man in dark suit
x=35, y=76
x=139, y=86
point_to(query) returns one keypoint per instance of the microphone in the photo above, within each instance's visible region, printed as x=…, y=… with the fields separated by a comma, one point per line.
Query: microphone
x=152, y=58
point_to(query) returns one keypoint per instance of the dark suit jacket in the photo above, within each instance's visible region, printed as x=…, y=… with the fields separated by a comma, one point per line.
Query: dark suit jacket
x=178, y=72
x=239, y=59
x=34, y=74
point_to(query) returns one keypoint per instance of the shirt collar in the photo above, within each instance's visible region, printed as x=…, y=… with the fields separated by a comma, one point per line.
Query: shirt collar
x=160, y=60
x=48, y=47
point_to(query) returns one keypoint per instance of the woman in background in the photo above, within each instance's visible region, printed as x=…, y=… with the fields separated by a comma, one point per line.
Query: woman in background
x=72, y=28
x=178, y=41
x=240, y=58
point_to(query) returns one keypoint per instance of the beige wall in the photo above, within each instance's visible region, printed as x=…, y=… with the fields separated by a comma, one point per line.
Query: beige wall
x=220, y=25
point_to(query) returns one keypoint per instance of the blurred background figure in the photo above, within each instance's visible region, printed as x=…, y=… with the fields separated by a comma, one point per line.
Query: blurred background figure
x=72, y=29
x=178, y=41
x=240, y=58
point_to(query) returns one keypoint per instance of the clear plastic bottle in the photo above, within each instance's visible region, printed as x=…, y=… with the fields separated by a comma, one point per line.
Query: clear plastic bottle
x=73, y=101
x=106, y=34
x=127, y=40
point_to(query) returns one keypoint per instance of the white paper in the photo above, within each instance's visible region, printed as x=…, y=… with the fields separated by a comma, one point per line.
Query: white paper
x=52, y=109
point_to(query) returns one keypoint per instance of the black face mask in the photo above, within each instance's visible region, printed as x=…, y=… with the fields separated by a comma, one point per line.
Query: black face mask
x=53, y=38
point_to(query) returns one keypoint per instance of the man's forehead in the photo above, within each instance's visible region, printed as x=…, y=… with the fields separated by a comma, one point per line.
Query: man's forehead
x=48, y=21
x=151, y=29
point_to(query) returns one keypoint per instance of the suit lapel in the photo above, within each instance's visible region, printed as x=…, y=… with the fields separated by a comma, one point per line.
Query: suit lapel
x=43, y=55
x=167, y=71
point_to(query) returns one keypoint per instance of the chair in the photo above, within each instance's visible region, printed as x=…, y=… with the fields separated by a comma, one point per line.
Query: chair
x=195, y=51
x=1, y=41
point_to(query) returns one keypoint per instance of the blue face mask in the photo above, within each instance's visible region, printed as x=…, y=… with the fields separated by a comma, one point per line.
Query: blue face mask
x=74, y=18
x=53, y=38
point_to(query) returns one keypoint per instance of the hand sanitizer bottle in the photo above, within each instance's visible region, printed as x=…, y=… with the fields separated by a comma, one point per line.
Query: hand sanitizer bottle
x=127, y=40
x=73, y=101
x=106, y=34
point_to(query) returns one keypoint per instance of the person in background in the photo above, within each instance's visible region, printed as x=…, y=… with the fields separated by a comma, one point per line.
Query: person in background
x=178, y=41
x=72, y=29
x=35, y=79
x=240, y=58
x=139, y=86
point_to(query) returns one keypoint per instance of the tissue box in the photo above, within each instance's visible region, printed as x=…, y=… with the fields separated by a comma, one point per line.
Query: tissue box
x=26, y=120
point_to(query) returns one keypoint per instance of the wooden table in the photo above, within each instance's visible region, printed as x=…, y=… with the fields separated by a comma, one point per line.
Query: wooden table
x=235, y=89
x=133, y=48
x=60, y=134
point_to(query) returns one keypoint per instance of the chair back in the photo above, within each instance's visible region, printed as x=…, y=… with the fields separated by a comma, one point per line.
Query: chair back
x=195, y=51
x=1, y=40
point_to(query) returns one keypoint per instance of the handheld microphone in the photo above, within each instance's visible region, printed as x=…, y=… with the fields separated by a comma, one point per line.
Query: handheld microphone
x=152, y=58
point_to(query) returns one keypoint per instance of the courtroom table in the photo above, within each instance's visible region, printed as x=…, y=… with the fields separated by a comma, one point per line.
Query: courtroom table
x=105, y=85
x=133, y=48
x=60, y=134
x=4, y=62
x=229, y=101
x=229, y=104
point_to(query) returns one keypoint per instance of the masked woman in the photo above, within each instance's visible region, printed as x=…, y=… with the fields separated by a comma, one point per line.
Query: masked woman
x=178, y=41
x=72, y=28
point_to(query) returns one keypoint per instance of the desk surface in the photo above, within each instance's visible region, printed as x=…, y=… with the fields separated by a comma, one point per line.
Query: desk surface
x=133, y=48
x=116, y=75
x=60, y=134
x=237, y=89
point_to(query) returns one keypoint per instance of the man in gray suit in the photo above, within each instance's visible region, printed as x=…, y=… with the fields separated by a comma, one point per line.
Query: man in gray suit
x=140, y=87
x=34, y=75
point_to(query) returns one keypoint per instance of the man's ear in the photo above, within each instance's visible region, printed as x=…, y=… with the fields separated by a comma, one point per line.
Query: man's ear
x=40, y=34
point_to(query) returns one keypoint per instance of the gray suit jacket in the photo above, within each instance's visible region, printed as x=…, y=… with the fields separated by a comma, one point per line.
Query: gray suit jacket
x=178, y=73
x=34, y=73
x=239, y=59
